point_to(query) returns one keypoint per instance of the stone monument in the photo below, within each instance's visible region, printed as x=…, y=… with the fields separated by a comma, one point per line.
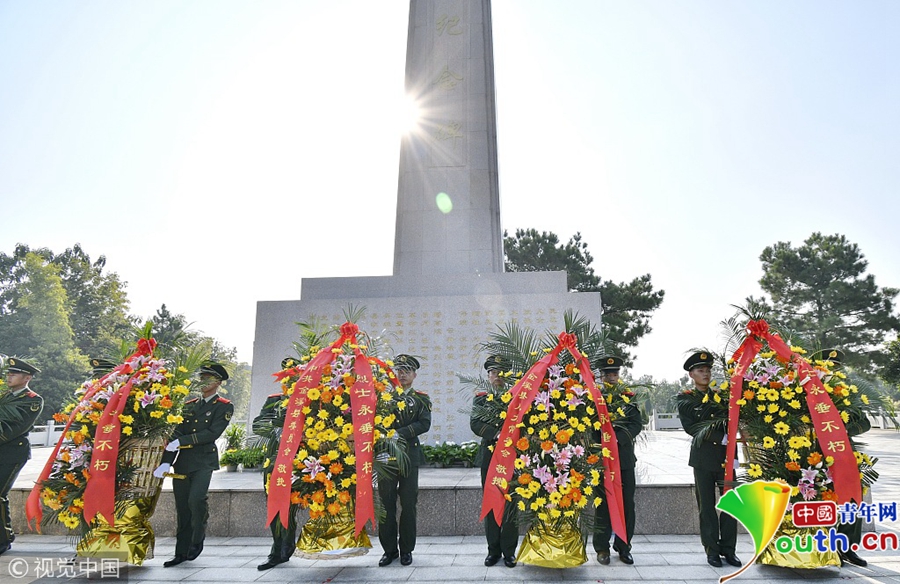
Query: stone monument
x=448, y=291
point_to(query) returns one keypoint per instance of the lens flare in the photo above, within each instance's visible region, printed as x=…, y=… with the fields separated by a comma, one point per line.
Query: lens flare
x=443, y=202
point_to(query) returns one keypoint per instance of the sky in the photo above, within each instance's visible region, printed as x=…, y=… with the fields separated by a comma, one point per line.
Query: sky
x=217, y=151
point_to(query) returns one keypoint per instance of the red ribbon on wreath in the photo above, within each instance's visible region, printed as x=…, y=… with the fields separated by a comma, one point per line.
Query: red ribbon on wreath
x=100, y=491
x=496, y=484
x=831, y=432
x=363, y=401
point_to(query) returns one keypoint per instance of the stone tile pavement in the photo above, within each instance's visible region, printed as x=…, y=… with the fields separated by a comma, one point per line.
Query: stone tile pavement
x=658, y=558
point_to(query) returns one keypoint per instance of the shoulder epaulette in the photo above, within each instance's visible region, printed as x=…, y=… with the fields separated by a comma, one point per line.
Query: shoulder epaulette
x=190, y=401
x=279, y=394
x=31, y=394
x=421, y=392
x=223, y=400
x=481, y=394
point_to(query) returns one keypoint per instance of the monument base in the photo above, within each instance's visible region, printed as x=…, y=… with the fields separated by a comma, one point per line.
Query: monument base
x=442, y=320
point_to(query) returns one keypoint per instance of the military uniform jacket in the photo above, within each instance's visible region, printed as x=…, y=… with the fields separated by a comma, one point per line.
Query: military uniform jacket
x=203, y=423
x=415, y=420
x=486, y=430
x=627, y=429
x=269, y=423
x=14, y=445
x=710, y=453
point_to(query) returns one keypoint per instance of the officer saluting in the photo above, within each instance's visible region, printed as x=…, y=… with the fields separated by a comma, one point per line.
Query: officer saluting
x=194, y=440
x=414, y=420
x=22, y=407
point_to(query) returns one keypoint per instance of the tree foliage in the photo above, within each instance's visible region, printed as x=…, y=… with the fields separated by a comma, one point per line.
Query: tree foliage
x=820, y=290
x=59, y=310
x=627, y=306
x=45, y=335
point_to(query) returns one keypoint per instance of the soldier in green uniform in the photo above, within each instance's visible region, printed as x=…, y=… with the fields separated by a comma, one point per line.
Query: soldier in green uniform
x=194, y=441
x=627, y=424
x=19, y=408
x=269, y=424
x=415, y=420
x=501, y=539
x=718, y=532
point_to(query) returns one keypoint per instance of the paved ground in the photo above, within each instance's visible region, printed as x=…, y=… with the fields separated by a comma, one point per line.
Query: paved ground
x=658, y=558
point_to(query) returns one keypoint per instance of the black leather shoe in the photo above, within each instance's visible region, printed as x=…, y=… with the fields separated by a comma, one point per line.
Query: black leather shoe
x=175, y=561
x=5, y=548
x=852, y=557
x=271, y=563
x=603, y=557
x=406, y=559
x=491, y=560
x=386, y=559
x=195, y=551
x=733, y=560
x=509, y=562
x=713, y=560
x=625, y=556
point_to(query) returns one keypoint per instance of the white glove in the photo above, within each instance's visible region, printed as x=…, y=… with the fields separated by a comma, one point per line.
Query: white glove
x=162, y=469
x=724, y=440
x=173, y=445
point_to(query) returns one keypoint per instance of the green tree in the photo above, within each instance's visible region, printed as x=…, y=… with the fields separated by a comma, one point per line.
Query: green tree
x=890, y=373
x=47, y=336
x=96, y=302
x=820, y=291
x=627, y=306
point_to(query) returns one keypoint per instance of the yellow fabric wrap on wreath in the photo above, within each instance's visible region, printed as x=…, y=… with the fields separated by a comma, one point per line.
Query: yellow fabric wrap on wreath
x=796, y=558
x=328, y=538
x=558, y=546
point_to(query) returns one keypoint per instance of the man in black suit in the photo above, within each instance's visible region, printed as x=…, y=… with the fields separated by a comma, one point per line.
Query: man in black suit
x=22, y=407
x=718, y=531
x=627, y=424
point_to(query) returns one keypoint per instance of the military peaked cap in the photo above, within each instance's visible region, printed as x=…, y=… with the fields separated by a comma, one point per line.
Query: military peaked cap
x=101, y=366
x=497, y=363
x=609, y=363
x=16, y=365
x=214, y=369
x=406, y=362
x=699, y=359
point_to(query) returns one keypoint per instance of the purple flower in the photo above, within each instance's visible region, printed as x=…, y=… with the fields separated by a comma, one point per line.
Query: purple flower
x=562, y=458
x=543, y=398
x=807, y=491
x=574, y=401
x=148, y=399
x=312, y=466
x=543, y=474
x=809, y=475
